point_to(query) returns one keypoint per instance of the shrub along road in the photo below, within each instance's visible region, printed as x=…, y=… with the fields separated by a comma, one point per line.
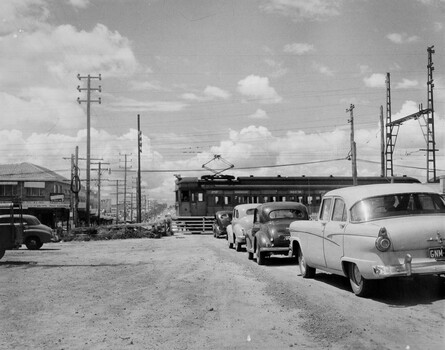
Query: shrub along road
x=193, y=292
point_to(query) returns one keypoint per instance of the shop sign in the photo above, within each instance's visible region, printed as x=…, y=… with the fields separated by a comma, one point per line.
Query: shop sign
x=44, y=204
x=57, y=197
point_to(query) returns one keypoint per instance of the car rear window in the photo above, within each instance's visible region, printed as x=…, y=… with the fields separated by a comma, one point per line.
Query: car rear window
x=397, y=205
x=250, y=211
x=286, y=214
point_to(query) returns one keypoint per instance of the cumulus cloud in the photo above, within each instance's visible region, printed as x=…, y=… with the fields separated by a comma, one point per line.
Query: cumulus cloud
x=210, y=93
x=215, y=92
x=259, y=114
x=300, y=10
x=298, y=48
x=323, y=69
x=406, y=84
x=402, y=38
x=146, y=85
x=376, y=80
x=258, y=88
x=278, y=69
x=19, y=16
x=79, y=3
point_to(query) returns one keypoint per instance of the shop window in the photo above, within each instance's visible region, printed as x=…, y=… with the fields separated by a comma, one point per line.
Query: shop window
x=8, y=190
x=34, y=192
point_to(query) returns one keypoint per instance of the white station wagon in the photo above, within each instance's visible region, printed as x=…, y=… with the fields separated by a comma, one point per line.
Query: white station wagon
x=373, y=232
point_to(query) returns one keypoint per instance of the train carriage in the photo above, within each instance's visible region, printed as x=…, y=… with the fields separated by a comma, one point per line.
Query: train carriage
x=201, y=198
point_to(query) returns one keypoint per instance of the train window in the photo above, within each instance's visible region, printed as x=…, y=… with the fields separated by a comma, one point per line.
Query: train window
x=309, y=200
x=300, y=199
x=227, y=200
x=184, y=196
x=266, y=199
x=317, y=200
x=200, y=197
x=218, y=200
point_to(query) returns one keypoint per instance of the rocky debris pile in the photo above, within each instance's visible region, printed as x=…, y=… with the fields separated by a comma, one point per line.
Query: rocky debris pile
x=111, y=232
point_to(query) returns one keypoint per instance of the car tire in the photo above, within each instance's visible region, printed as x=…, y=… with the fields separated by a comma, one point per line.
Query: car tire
x=250, y=255
x=230, y=243
x=359, y=285
x=305, y=270
x=260, y=257
x=33, y=243
x=2, y=253
x=237, y=246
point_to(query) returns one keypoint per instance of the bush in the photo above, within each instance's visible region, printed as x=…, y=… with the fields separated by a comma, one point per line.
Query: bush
x=110, y=232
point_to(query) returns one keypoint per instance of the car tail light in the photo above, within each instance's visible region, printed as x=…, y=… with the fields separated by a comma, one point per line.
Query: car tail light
x=383, y=243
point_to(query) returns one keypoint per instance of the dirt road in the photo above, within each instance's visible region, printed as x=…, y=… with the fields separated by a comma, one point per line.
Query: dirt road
x=193, y=292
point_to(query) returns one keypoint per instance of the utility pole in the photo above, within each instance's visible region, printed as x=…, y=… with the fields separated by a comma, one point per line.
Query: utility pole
x=88, y=101
x=117, y=202
x=382, y=144
x=75, y=185
x=139, y=213
x=125, y=187
x=353, y=146
x=99, y=174
x=430, y=138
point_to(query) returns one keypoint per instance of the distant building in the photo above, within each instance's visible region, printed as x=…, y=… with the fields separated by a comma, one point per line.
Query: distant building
x=42, y=192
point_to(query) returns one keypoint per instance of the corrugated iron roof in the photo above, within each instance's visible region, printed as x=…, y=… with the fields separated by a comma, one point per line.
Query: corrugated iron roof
x=28, y=172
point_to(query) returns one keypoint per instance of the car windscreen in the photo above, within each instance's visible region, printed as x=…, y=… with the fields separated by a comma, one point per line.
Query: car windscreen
x=397, y=205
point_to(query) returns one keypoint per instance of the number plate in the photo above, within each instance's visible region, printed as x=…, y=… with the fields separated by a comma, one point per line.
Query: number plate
x=437, y=253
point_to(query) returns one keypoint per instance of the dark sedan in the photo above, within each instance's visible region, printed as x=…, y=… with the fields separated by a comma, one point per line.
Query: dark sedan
x=222, y=219
x=270, y=232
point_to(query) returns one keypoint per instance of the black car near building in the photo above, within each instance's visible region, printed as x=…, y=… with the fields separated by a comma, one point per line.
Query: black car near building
x=41, y=192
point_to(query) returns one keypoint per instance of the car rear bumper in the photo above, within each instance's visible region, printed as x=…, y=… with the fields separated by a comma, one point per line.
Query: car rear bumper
x=409, y=268
x=275, y=250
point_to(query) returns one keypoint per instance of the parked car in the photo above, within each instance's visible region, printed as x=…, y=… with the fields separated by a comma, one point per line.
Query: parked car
x=270, y=231
x=373, y=232
x=35, y=234
x=242, y=222
x=222, y=219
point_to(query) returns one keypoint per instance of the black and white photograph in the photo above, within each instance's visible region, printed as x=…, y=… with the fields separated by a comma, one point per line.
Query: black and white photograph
x=222, y=174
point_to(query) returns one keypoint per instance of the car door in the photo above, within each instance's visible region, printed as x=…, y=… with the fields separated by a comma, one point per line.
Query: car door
x=251, y=233
x=333, y=235
x=314, y=251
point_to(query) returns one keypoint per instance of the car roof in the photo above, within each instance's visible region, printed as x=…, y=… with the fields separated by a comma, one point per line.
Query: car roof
x=354, y=194
x=222, y=212
x=246, y=206
x=280, y=205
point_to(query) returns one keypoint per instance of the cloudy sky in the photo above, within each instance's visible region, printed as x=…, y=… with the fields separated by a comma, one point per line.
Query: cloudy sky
x=265, y=84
